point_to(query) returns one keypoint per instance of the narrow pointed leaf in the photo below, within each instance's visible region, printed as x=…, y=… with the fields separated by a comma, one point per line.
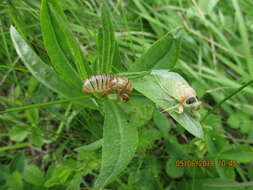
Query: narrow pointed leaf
x=107, y=43
x=42, y=72
x=67, y=41
x=56, y=44
x=163, y=54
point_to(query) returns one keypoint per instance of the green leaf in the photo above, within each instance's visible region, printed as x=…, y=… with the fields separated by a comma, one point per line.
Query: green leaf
x=43, y=73
x=175, y=149
x=241, y=154
x=240, y=120
x=107, y=43
x=245, y=39
x=17, y=18
x=75, y=182
x=172, y=169
x=149, y=87
x=59, y=176
x=14, y=182
x=120, y=140
x=52, y=40
x=32, y=116
x=58, y=29
x=36, y=137
x=162, y=123
x=15, y=146
x=163, y=54
x=207, y=6
x=215, y=142
x=90, y=147
x=18, y=162
x=4, y=172
x=33, y=175
x=146, y=177
x=18, y=133
x=140, y=110
x=213, y=120
x=147, y=138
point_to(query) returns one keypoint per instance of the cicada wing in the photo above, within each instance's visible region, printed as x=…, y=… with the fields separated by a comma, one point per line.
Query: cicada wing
x=172, y=83
x=166, y=85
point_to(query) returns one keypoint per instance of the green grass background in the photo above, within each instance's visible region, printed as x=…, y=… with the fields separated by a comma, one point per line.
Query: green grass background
x=38, y=145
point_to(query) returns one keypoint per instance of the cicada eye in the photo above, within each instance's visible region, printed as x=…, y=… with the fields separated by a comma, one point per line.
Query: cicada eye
x=190, y=100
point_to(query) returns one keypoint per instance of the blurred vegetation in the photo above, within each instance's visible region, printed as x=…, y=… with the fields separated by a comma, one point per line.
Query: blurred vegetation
x=51, y=134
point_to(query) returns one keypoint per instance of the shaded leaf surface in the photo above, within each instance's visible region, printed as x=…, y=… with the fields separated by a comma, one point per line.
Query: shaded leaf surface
x=162, y=122
x=172, y=169
x=18, y=162
x=33, y=175
x=140, y=110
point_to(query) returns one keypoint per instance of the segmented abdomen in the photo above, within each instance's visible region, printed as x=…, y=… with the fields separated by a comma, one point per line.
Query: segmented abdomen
x=106, y=83
x=97, y=83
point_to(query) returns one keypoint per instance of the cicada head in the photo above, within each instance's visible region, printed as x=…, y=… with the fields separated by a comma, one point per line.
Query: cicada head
x=192, y=102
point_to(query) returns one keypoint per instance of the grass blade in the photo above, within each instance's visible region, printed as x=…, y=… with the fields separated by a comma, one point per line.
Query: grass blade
x=227, y=98
x=107, y=43
x=15, y=146
x=90, y=147
x=244, y=35
x=32, y=106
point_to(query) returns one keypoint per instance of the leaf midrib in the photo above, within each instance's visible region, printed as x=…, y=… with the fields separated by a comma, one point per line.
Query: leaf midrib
x=120, y=151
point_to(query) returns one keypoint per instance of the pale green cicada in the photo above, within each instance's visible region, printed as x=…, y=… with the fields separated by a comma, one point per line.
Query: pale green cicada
x=168, y=89
x=177, y=87
x=171, y=92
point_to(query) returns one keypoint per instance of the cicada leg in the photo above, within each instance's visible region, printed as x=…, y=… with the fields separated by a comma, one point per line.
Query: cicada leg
x=180, y=109
x=171, y=108
x=105, y=93
x=123, y=97
x=197, y=106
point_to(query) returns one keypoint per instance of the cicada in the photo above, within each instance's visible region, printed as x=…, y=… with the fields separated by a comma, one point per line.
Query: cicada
x=177, y=87
x=106, y=83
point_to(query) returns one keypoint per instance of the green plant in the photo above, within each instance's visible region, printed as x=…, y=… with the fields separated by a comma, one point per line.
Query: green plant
x=52, y=134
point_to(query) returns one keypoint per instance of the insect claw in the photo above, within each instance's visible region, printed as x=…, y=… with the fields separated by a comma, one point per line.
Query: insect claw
x=104, y=94
x=197, y=106
x=123, y=97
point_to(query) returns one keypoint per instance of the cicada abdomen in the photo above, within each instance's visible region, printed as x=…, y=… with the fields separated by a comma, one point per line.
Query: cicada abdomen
x=106, y=83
